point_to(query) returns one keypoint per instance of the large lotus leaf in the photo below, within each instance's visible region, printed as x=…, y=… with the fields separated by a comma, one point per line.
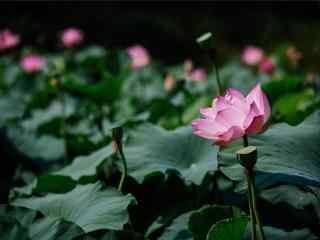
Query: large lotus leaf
x=40, y=149
x=196, y=224
x=152, y=149
x=228, y=229
x=145, y=84
x=11, y=106
x=201, y=220
x=90, y=54
x=22, y=226
x=304, y=208
x=288, y=84
x=178, y=230
x=53, y=229
x=82, y=168
x=10, y=229
x=286, y=154
x=279, y=234
x=55, y=110
x=86, y=166
x=87, y=206
x=294, y=107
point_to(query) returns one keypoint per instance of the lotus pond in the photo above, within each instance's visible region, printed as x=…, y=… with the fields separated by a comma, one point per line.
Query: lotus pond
x=104, y=143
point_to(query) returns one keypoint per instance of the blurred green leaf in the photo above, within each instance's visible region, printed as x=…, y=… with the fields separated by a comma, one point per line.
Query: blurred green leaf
x=87, y=206
x=152, y=150
x=228, y=229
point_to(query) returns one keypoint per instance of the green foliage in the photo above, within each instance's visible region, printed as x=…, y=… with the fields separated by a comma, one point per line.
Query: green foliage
x=56, y=139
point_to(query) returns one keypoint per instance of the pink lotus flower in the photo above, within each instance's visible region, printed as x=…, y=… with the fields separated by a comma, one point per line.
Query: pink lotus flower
x=8, y=40
x=32, y=63
x=233, y=116
x=197, y=74
x=139, y=56
x=71, y=37
x=267, y=65
x=252, y=56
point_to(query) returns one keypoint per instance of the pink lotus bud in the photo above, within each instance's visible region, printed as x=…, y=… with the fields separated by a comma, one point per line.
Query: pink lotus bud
x=199, y=74
x=233, y=115
x=8, y=40
x=32, y=63
x=169, y=82
x=139, y=56
x=252, y=56
x=267, y=65
x=71, y=37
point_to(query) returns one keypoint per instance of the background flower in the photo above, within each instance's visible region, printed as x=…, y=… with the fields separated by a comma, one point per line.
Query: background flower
x=169, y=82
x=32, y=63
x=267, y=65
x=71, y=37
x=252, y=56
x=8, y=40
x=139, y=56
x=197, y=74
x=233, y=116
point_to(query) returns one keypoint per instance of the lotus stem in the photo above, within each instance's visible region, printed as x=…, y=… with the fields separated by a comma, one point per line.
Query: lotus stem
x=251, y=209
x=124, y=171
x=255, y=209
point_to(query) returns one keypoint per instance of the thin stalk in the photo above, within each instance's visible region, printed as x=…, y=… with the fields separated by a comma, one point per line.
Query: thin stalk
x=100, y=120
x=245, y=141
x=255, y=209
x=125, y=169
x=251, y=208
x=63, y=126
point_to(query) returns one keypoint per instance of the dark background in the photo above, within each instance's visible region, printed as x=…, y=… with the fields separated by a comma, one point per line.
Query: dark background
x=169, y=29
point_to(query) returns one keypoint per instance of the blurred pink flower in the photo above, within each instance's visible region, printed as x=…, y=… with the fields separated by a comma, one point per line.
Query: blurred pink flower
x=198, y=74
x=139, y=56
x=169, y=82
x=71, y=37
x=8, y=40
x=32, y=63
x=252, y=56
x=233, y=116
x=267, y=65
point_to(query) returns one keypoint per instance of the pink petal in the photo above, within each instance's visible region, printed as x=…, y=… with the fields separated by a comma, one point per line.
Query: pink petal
x=208, y=112
x=230, y=135
x=207, y=128
x=237, y=99
x=139, y=56
x=254, y=121
x=257, y=95
x=231, y=117
x=267, y=65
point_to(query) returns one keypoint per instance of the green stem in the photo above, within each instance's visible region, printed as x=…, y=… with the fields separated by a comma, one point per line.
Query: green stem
x=63, y=126
x=251, y=208
x=100, y=120
x=245, y=140
x=255, y=209
x=125, y=169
